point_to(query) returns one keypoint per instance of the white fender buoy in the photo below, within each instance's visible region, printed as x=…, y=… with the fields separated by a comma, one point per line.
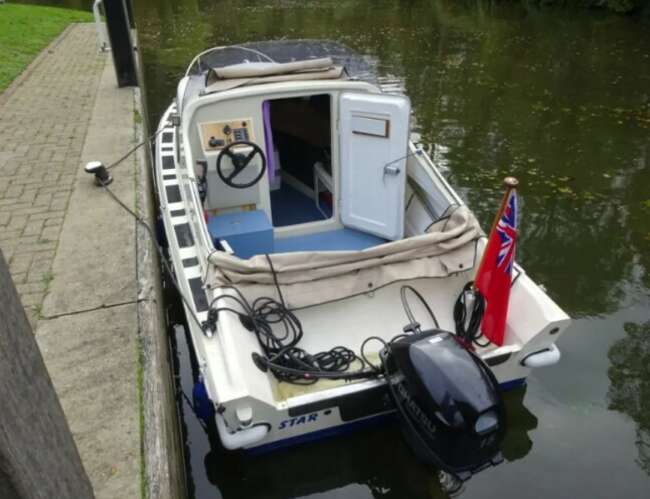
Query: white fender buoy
x=241, y=438
x=543, y=358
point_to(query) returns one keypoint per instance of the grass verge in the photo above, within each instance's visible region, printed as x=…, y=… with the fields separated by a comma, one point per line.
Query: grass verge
x=25, y=30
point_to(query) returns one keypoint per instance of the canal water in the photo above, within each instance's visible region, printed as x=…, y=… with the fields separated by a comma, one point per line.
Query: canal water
x=561, y=100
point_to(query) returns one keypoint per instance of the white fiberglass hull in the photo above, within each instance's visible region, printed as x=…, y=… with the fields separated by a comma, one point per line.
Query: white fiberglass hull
x=247, y=420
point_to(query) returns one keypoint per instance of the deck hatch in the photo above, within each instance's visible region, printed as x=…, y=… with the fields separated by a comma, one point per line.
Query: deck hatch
x=184, y=235
x=173, y=194
x=168, y=162
x=167, y=136
x=190, y=262
x=198, y=294
x=177, y=213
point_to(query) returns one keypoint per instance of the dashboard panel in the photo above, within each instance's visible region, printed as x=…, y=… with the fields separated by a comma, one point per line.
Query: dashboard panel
x=216, y=135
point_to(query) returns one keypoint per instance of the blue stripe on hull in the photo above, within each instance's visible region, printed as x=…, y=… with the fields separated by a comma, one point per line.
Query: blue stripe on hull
x=511, y=385
x=347, y=428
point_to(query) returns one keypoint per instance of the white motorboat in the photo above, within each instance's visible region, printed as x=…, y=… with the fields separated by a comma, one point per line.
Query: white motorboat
x=300, y=216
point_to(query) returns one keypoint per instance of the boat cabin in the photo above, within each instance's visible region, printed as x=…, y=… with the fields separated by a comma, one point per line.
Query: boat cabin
x=296, y=156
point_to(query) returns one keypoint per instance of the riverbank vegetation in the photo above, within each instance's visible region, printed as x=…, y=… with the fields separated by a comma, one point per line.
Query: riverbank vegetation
x=25, y=30
x=623, y=6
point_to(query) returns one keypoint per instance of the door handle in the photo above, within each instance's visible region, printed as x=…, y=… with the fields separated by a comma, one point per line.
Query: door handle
x=390, y=170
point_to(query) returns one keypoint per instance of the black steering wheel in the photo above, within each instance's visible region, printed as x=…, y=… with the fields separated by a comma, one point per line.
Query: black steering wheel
x=240, y=162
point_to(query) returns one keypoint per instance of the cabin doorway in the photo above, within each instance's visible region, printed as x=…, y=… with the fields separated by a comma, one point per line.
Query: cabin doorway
x=298, y=134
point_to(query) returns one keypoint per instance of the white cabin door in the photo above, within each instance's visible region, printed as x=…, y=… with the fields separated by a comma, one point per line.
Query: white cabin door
x=373, y=143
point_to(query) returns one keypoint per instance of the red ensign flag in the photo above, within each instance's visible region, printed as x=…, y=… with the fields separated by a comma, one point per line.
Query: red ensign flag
x=494, y=276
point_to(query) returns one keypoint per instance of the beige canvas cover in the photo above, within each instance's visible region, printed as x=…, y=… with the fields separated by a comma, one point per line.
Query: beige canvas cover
x=309, y=278
x=258, y=69
x=239, y=75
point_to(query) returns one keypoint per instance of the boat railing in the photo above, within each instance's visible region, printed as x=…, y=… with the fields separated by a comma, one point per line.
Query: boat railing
x=205, y=243
x=197, y=58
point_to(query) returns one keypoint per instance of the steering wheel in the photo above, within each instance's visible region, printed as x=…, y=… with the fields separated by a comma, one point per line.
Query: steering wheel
x=240, y=162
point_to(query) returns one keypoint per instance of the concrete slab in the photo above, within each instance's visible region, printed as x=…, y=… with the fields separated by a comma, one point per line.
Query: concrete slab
x=95, y=261
x=92, y=359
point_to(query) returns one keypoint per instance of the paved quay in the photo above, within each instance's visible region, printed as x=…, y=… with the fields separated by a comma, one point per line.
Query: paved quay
x=43, y=124
x=84, y=271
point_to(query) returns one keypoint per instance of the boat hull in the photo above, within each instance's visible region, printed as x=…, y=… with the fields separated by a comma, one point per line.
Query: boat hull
x=312, y=416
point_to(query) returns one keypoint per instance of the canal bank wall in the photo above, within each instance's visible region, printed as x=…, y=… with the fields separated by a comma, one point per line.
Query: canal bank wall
x=164, y=465
x=86, y=271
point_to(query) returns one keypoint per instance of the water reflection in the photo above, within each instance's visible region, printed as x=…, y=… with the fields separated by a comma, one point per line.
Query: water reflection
x=324, y=467
x=629, y=391
x=517, y=442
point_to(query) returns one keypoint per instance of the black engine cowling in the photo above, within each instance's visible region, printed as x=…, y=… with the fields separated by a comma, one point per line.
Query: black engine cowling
x=448, y=401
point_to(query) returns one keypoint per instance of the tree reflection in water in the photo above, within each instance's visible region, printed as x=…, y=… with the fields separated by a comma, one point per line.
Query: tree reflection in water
x=629, y=391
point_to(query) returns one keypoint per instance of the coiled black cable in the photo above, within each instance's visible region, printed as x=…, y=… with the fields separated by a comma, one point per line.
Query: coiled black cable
x=281, y=355
x=280, y=351
x=469, y=331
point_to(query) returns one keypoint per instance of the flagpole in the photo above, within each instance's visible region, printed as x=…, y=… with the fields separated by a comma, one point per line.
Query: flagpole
x=510, y=183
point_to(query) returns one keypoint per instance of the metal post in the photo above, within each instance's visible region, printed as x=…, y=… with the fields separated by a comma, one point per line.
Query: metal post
x=117, y=22
x=38, y=457
x=129, y=13
x=100, y=27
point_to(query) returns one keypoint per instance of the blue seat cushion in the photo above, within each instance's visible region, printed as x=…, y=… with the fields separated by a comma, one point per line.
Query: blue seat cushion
x=247, y=232
x=334, y=240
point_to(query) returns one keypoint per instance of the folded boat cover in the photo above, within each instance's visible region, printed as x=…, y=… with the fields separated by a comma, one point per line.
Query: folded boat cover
x=258, y=69
x=310, y=278
x=240, y=75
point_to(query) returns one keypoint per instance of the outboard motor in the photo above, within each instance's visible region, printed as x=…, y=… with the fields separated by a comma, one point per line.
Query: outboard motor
x=448, y=400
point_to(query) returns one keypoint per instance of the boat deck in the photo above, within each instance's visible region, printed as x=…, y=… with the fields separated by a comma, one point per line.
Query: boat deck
x=379, y=313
